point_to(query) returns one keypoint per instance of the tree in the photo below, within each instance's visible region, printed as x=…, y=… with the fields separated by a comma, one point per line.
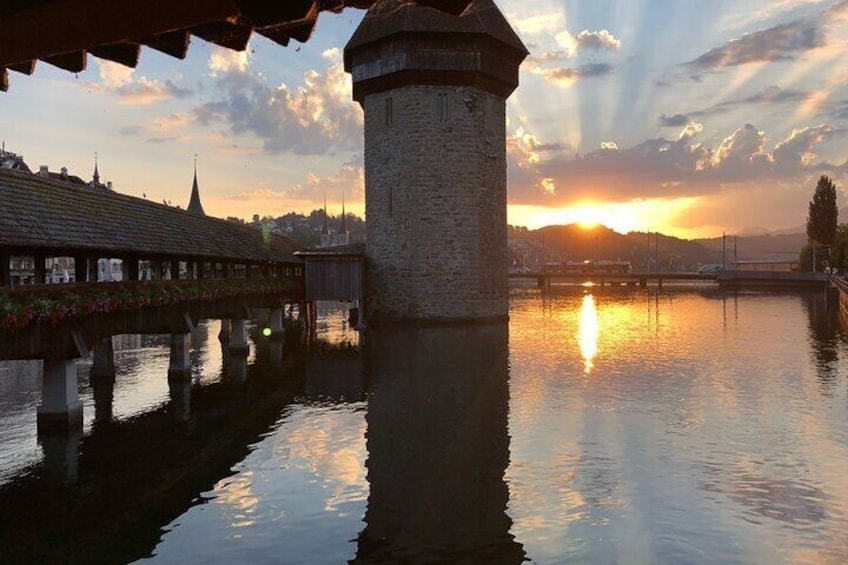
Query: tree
x=823, y=215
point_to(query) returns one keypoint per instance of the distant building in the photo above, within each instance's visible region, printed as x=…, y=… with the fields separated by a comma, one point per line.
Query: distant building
x=9, y=160
x=330, y=238
x=767, y=265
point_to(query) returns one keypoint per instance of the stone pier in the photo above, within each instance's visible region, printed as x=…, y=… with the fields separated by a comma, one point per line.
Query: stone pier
x=238, y=338
x=60, y=410
x=180, y=366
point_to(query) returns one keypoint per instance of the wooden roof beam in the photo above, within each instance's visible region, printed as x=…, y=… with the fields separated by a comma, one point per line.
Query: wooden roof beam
x=299, y=30
x=225, y=34
x=262, y=13
x=77, y=25
x=173, y=43
x=26, y=68
x=74, y=61
x=4, y=80
x=123, y=53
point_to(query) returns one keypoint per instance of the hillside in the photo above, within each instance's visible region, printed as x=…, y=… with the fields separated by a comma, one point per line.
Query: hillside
x=646, y=251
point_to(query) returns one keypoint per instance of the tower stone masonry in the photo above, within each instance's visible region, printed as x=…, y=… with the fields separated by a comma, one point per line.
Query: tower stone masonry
x=433, y=87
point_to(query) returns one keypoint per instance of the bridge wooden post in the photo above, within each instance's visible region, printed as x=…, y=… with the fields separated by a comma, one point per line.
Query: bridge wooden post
x=60, y=409
x=175, y=269
x=80, y=268
x=5, y=268
x=643, y=282
x=38, y=259
x=92, y=268
x=132, y=268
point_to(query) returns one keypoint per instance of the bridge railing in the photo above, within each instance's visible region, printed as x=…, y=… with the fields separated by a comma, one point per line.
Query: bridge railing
x=25, y=305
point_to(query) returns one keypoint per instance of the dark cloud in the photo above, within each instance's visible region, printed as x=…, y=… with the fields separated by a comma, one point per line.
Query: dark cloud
x=785, y=41
x=675, y=121
x=130, y=130
x=146, y=91
x=771, y=96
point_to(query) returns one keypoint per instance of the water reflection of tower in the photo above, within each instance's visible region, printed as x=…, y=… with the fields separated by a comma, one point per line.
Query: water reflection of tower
x=438, y=447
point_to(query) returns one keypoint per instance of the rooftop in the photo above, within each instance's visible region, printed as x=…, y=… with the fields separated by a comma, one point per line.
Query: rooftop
x=55, y=214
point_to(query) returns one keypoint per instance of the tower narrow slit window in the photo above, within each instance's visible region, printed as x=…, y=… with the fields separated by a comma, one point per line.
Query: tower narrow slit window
x=442, y=106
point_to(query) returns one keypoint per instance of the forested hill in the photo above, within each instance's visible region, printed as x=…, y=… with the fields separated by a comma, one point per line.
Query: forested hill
x=532, y=248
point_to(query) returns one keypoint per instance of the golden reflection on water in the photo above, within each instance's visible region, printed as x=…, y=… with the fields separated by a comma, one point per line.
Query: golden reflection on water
x=587, y=335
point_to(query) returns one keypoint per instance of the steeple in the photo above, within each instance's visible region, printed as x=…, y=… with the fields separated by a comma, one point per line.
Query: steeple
x=326, y=239
x=194, y=205
x=344, y=235
x=325, y=228
x=96, y=177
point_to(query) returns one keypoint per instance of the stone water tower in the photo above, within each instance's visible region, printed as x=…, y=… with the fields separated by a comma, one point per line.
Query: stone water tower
x=433, y=86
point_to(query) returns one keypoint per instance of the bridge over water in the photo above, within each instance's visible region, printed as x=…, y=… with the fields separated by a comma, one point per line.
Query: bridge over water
x=194, y=267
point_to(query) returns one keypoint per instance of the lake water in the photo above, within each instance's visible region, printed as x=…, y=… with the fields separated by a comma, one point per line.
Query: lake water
x=600, y=426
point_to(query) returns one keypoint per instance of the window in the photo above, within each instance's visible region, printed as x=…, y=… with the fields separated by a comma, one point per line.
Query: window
x=442, y=106
x=389, y=117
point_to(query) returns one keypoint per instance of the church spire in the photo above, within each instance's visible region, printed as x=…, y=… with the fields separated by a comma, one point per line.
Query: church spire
x=96, y=177
x=325, y=228
x=194, y=205
x=343, y=226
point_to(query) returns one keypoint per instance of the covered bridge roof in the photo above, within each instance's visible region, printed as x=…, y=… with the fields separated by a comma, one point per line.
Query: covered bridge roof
x=44, y=213
x=63, y=32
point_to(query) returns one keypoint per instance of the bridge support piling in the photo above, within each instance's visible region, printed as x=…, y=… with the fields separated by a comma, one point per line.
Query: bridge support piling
x=60, y=410
x=275, y=322
x=224, y=333
x=643, y=282
x=103, y=364
x=659, y=283
x=238, y=368
x=61, y=456
x=238, y=339
x=180, y=366
x=179, y=391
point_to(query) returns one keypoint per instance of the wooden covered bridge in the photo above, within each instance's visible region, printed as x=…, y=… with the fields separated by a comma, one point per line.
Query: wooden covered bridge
x=195, y=267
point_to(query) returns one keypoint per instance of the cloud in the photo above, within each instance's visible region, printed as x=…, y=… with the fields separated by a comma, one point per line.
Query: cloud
x=664, y=168
x=113, y=75
x=771, y=96
x=777, y=43
x=347, y=182
x=225, y=60
x=316, y=117
x=675, y=121
x=536, y=24
x=146, y=91
x=566, y=76
x=598, y=40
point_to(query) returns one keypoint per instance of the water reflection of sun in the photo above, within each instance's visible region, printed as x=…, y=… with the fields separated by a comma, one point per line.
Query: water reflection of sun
x=587, y=335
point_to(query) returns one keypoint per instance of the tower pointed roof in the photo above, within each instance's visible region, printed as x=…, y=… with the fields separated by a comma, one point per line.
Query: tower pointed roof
x=343, y=226
x=325, y=228
x=96, y=176
x=194, y=205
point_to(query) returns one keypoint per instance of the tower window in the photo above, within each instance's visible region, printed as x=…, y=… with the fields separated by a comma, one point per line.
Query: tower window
x=389, y=116
x=442, y=106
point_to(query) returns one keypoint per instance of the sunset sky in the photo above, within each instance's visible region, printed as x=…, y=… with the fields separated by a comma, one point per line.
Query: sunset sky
x=690, y=118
